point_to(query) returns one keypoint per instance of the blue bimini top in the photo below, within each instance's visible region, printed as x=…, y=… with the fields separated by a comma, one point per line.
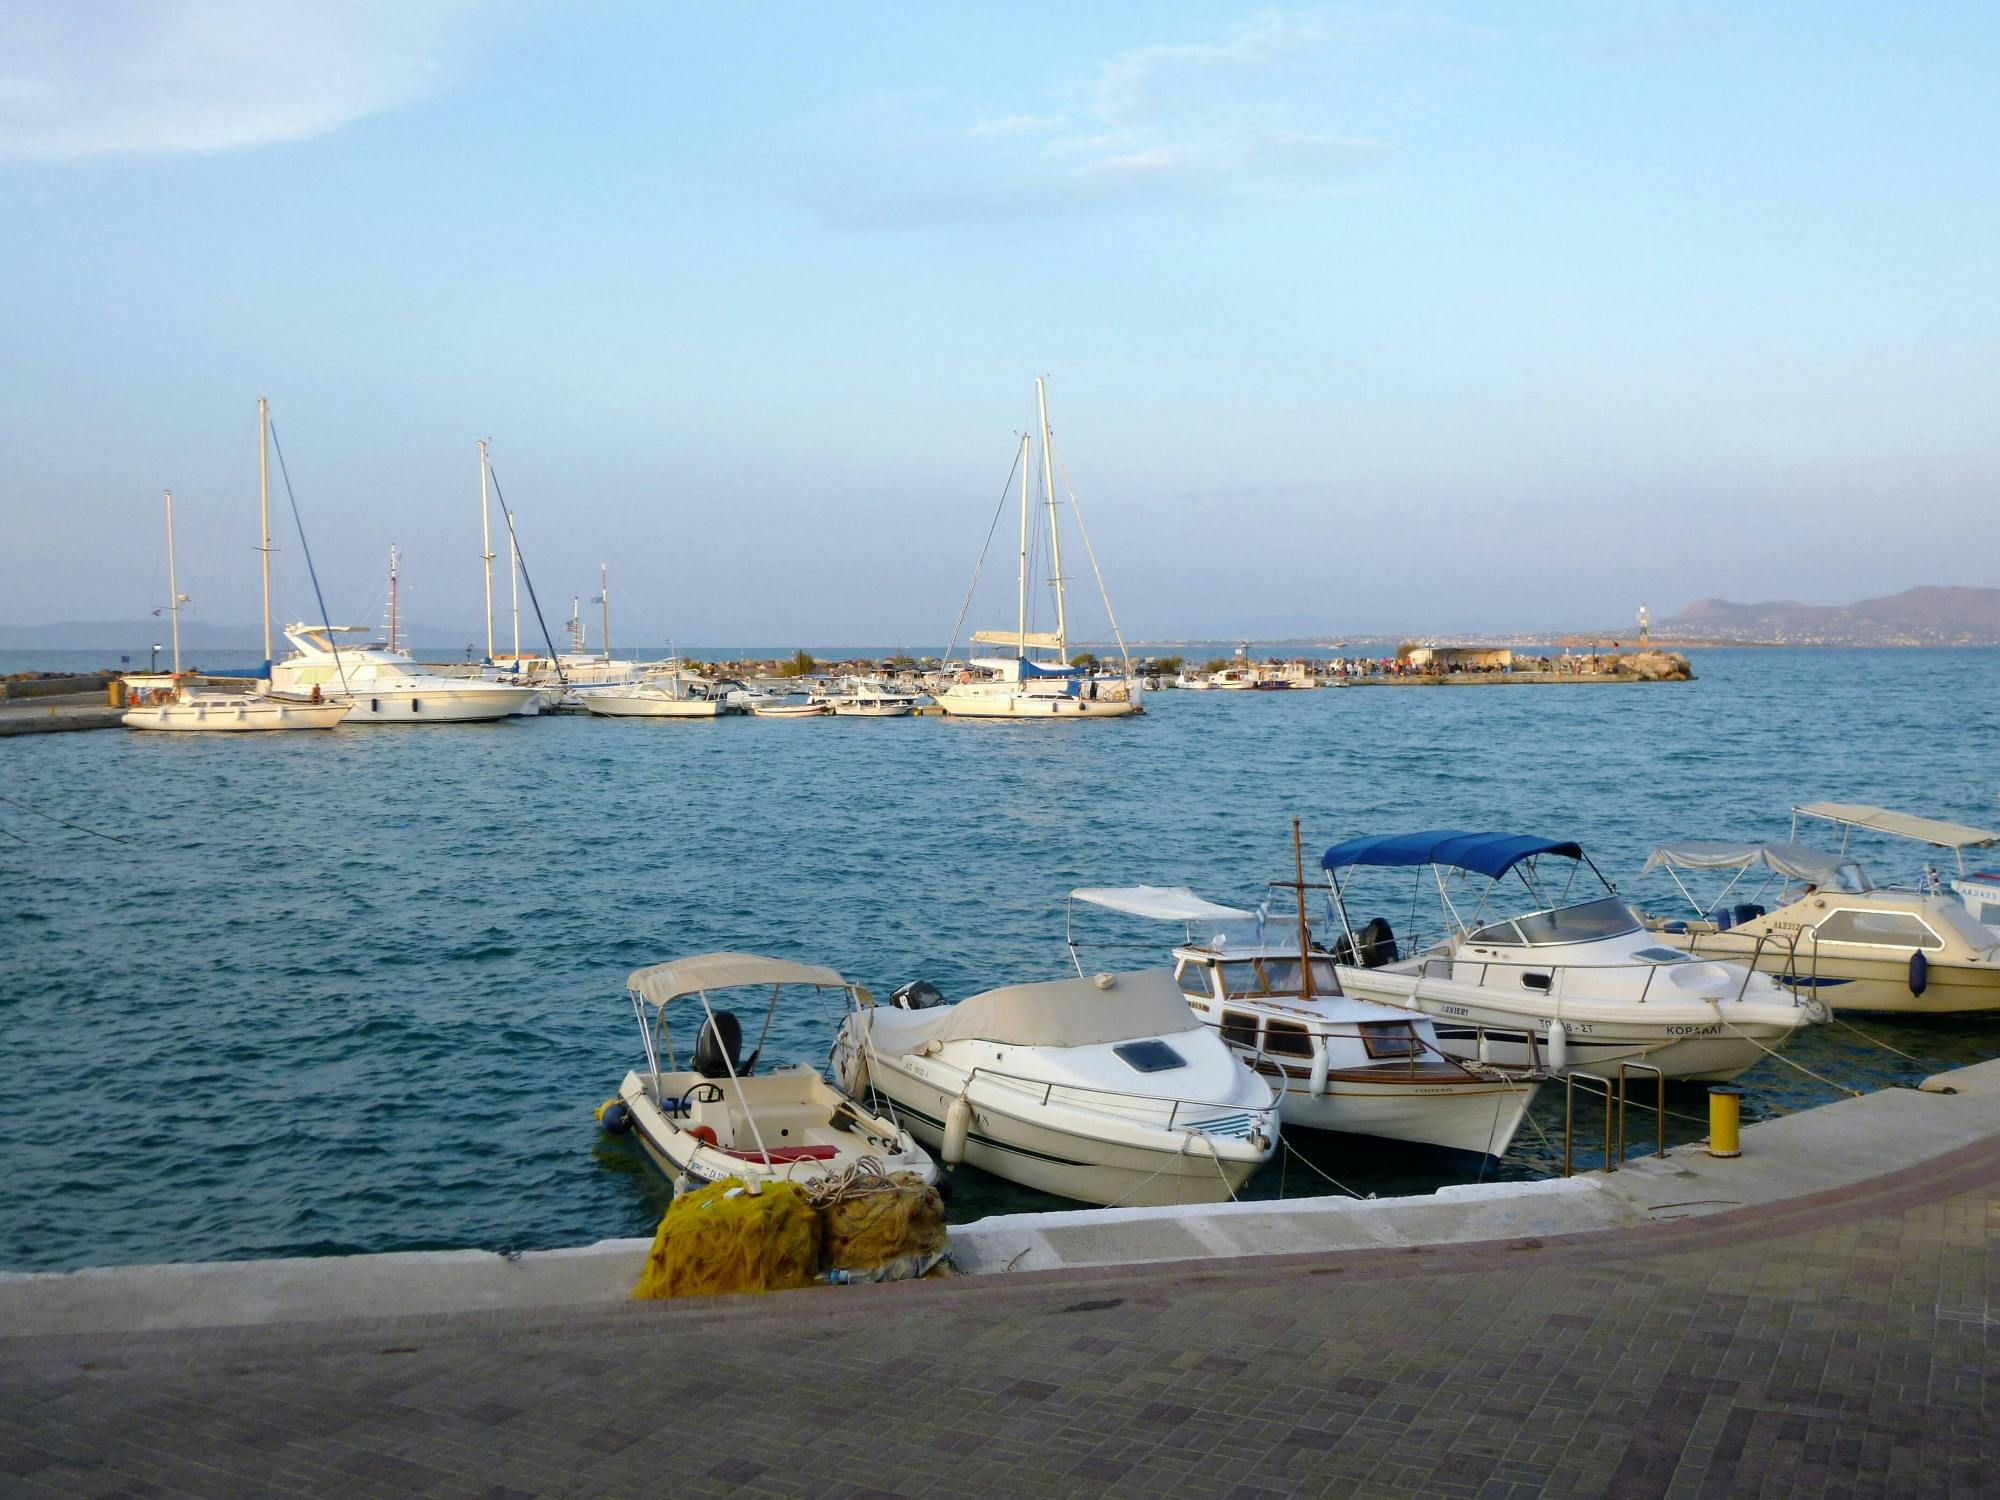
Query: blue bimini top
x=1490, y=854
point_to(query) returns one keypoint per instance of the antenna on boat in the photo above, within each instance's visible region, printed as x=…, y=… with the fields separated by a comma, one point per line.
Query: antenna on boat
x=604, y=598
x=1055, y=531
x=392, y=596
x=1021, y=617
x=513, y=577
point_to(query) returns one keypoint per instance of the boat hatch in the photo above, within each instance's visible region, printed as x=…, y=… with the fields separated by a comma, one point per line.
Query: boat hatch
x=1149, y=1056
x=1661, y=955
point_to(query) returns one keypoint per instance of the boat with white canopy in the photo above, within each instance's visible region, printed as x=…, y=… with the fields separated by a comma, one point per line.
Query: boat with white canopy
x=1106, y=1090
x=384, y=686
x=1337, y=1062
x=1979, y=889
x=718, y=1117
x=672, y=694
x=867, y=698
x=1579, y=985
x=1831, y=932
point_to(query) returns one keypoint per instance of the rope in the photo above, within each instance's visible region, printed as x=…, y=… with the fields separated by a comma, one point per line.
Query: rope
x=1216, y=1157
x=860, y=1178
x=1877, y=1041
x=1091, y=552
x=13, y=835
x=1142, y=1182
x=1843, y=1088
x=1012, y=470
x=514, y=539
x=96, y=833
x=1289, y=1147
x=311, y=572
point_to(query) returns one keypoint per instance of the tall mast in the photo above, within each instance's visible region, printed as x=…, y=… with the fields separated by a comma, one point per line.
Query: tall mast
x=604, y=598
x=1055, y=531
x=392, y=596
x=173, y=585
x=486, y=547
x=1027, y=459
x=1299, y=890
x=264, y=514
x=514, y=583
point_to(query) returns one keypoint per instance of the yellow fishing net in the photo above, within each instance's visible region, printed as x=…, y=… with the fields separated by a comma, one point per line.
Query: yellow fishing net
x=724, y=1238
x=880, y=1220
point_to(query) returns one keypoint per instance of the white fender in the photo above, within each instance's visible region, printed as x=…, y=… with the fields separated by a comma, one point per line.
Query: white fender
x=1558, y=1046
x=957, y=1125
x=1485, y=1050
x=1319, y=1070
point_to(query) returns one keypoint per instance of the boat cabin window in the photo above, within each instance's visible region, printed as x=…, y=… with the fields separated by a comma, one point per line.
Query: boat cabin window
x=1885, y=929
x=1287, y=1039
x=1241, y=978
x=1239, y=1029
x=1603, y=918
x=1391, y=1039
x=1282, y=975
x=1150, y=1056
x=1195, y=981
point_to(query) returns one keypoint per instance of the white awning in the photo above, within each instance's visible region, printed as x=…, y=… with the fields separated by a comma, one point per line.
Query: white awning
x=1793, y=860
x=1167, y=903
x=666, y=982
x=1903, y=825
x=1045, y=639
x=1056, y=1013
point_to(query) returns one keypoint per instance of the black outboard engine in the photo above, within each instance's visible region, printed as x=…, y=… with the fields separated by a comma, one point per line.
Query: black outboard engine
x=719, y=1046
x=1377, y=944
x=918, y=994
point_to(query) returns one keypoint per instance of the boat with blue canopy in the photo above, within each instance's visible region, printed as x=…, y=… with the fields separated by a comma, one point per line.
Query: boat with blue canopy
x=1531, y=958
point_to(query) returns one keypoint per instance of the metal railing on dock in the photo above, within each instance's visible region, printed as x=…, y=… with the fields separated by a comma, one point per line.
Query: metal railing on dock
x=1616, y=1099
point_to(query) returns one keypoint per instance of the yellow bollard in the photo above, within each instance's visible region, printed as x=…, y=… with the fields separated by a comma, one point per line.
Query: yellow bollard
x=1725, y=1136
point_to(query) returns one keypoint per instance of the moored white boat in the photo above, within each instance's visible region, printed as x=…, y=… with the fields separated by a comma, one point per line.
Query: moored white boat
x=717, y=1117
x=1338, y=1063
x=385, y=686
x=1106, y=1090
x=671, y=695
x=1576, y=986
x=188, y=708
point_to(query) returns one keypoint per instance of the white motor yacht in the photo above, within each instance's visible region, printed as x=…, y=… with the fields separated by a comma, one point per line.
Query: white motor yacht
x=717, y=1116
x=1575, y=985
x=1337, y=1062
x=1831, y=932
x=675, y=694
x=1106, y=1090
x=384, y=686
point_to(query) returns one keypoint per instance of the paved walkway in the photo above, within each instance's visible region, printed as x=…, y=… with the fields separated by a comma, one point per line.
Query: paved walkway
x=1837, y=1344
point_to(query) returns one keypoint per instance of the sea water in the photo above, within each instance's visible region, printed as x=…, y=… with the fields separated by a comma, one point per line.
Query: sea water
x=363, y=989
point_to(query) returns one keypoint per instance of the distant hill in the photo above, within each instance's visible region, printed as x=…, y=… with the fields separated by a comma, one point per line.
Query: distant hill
x=1916, y=617
x=127, y=635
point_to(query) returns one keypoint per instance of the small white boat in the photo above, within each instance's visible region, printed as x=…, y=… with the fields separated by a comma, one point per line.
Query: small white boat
x=1833, y=933
x=181, y=704
x=1576, y=985
x=717, y=1117
x=867, y=698
x=1106, y=1090
x=187, y=708
x=1338, y=1063
x=788, y=708
x=671, y=695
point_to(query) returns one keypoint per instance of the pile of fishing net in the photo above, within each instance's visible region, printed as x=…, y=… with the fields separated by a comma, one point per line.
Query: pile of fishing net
x=861, y=1224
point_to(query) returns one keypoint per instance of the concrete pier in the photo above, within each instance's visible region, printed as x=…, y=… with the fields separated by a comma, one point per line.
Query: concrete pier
x=58, y=713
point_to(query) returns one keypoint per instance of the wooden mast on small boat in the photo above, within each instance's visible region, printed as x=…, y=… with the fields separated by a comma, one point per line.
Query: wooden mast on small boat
x=1297, y=886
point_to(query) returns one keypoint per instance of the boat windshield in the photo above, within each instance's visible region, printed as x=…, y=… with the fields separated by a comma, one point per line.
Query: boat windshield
x=1275, y=976
x=1603, y=918
x=1971, y=931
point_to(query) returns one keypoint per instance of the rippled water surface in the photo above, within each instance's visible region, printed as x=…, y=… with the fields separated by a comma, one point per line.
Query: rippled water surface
x=362, y=990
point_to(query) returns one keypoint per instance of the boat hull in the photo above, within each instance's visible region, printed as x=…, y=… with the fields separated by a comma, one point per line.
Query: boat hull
x=790, y=710
x=1032, y=706
x=249, y=717
x=1877, y=986
x=1476, y=1116
x=1008, y=1143
x=623, y=706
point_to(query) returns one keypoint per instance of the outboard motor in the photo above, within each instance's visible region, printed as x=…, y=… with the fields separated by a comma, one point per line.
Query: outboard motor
x=1377, y=944
x=918, y=994
x=719, y=1046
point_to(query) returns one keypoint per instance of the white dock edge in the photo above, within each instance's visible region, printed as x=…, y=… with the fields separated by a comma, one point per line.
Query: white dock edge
x=1835, y=1145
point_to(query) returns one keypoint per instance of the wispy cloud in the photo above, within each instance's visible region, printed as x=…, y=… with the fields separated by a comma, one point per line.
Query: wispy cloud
x=1282, y=105
x=179, y=76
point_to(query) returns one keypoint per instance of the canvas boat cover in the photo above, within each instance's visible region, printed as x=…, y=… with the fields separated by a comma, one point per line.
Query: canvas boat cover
x=1058, y=1013
x=1794, y=861
x=1167, y=903
x=1490, y=854
x=1904, y=825
x=662, y=983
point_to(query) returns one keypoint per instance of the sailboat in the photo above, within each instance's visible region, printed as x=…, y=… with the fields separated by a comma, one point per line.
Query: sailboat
x=187, y=706
x=1017, y=685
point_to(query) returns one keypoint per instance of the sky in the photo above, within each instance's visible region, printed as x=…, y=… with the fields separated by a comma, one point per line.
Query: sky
x=1370, y=317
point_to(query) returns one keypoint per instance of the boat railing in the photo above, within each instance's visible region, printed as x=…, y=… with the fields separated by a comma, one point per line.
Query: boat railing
x=1140, y=1107
x=1554, y=973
